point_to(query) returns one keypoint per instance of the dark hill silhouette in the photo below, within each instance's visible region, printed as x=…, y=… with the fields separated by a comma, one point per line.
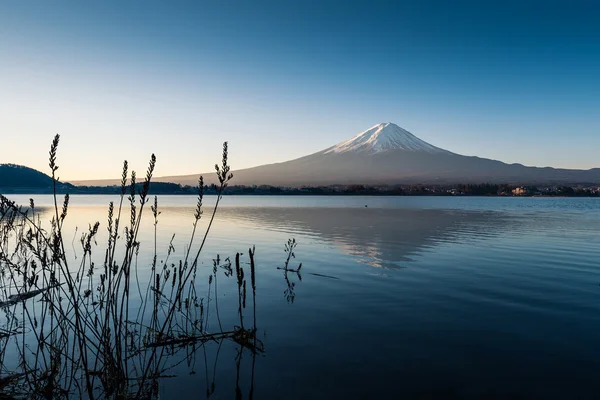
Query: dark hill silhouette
x=18, y=178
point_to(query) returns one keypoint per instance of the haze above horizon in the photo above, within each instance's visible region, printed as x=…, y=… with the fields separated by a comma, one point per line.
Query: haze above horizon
x=513, y=82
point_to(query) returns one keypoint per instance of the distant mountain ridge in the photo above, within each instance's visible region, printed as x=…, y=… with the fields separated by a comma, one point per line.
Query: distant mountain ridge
x=388, y=154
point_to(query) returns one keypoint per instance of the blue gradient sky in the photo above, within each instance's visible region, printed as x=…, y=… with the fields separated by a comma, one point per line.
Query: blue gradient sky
x=516, y=81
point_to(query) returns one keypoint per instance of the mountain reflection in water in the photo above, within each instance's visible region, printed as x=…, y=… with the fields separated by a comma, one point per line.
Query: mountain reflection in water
x=385, y=238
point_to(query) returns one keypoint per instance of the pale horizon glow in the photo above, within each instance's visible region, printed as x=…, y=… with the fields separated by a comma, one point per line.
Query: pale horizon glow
x=281, y=81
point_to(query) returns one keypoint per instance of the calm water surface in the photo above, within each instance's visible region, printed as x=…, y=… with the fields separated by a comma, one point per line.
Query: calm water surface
x=436, y=297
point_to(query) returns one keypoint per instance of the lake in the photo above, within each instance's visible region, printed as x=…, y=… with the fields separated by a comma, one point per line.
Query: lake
x=421, y=297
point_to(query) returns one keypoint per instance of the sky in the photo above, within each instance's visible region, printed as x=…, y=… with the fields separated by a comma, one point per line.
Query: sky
x=514, y=81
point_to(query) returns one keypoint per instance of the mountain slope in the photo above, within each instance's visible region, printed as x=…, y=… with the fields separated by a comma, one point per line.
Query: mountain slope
x=388, y=154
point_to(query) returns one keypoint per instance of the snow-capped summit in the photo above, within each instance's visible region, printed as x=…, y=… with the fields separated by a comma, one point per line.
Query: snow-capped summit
x=384, y=137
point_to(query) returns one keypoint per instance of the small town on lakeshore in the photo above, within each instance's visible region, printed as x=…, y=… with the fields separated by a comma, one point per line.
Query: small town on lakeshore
x=503, y=190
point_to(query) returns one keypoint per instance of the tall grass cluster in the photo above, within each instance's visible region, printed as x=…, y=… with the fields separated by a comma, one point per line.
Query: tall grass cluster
x=72, y=327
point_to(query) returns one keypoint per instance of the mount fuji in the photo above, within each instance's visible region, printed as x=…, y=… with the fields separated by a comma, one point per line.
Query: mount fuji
x=388, y=154
x=381, y=138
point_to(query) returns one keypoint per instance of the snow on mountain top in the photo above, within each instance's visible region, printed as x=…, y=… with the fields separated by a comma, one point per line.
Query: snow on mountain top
x=384, y=137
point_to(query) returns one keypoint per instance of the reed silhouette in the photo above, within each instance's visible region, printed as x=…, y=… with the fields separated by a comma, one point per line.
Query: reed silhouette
x=73, y=327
